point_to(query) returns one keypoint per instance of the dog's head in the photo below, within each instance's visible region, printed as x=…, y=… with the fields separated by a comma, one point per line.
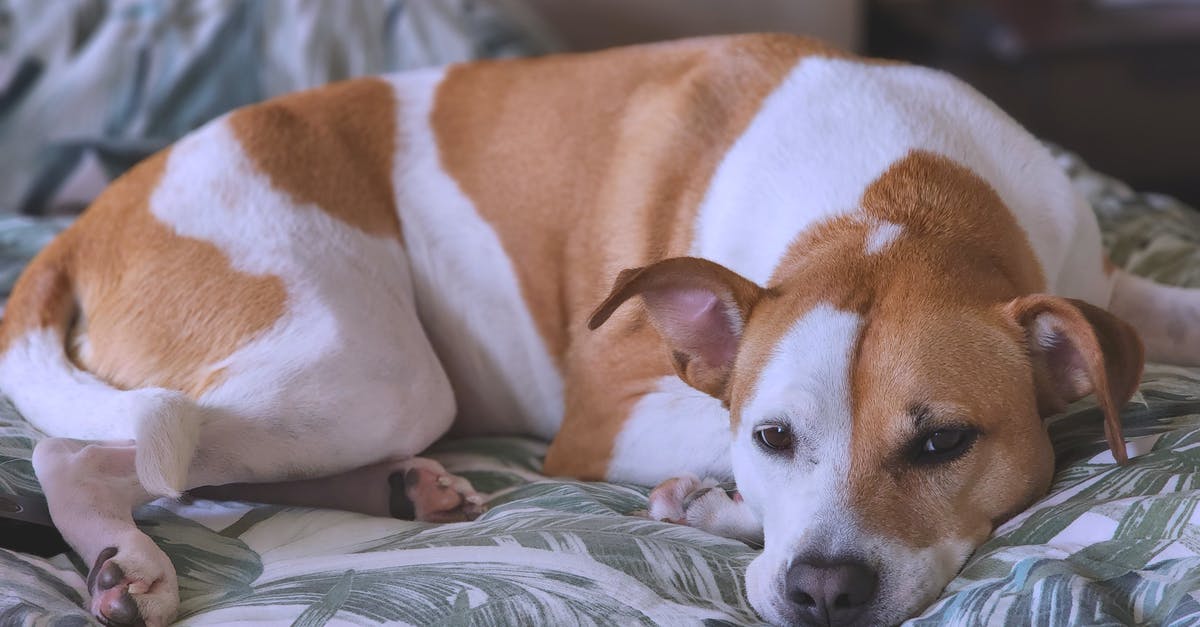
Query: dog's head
x=885, y=417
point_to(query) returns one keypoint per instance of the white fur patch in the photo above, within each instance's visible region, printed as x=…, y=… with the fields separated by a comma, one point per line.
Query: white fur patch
x=882, y=234
x=673, y=430
x=467, y=291
x=835, y=125
x=1167, y=317
x=59, y=399
x=806, y=386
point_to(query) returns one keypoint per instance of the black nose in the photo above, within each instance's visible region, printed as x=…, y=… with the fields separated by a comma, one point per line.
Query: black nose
x=830, y=592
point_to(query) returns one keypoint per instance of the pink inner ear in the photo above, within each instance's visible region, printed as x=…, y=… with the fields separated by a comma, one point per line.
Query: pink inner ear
x=695, y=321
x=1062, y=357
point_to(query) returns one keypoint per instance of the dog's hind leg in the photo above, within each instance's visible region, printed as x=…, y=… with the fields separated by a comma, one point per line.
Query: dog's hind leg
x=411, y=489
x=1167, y=317
x=92, y=489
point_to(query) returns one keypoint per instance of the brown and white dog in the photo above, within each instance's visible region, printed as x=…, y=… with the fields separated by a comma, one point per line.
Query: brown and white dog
x=859, y=287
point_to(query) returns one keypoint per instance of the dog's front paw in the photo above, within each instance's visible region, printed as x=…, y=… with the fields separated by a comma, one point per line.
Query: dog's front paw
x=133, y=584
x=421, y=489
x=673, y=499
x=704, y=504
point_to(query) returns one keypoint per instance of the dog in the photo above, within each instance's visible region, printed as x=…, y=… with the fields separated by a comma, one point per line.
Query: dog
x=854, y=287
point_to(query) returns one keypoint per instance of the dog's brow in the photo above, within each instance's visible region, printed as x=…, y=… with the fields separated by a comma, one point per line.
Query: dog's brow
x=920, y=414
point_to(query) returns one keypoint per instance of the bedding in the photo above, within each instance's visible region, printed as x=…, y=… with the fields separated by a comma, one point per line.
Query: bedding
x=1108, y=545
x=90, y=87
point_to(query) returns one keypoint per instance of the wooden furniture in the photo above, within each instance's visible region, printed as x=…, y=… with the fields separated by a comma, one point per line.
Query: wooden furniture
x=592, y=24
x=1117, y=81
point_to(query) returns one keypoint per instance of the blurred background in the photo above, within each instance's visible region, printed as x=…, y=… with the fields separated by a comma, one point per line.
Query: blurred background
x=88, y=87
x=1117, y=81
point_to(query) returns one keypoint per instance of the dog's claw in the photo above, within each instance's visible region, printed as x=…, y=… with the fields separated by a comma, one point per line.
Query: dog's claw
x=671, y=499
x=98, y=566
x=694, y=495
x=445, y=481
x=109, y=574
x=474, y=510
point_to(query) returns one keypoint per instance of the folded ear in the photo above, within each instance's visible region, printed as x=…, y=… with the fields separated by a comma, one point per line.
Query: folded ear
x=698, y=307
x=1079, y=349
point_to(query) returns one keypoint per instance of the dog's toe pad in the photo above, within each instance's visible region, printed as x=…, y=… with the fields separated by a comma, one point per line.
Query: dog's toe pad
x=117, y=607
x=133, y=585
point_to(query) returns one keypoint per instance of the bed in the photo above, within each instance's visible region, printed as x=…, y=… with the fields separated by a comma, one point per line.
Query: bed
x=1108, y=545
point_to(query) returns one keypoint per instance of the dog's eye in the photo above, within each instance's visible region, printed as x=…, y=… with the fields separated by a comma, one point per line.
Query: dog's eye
x=944, y=441
x=774, y=437
x=944, y=445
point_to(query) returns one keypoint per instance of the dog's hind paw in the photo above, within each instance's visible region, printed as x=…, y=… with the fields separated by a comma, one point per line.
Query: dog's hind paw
x=421, y=489
x=133, y=584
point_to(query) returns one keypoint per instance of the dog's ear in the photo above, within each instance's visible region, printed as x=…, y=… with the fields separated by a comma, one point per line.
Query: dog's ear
x=1078, y=349
x=698, y=307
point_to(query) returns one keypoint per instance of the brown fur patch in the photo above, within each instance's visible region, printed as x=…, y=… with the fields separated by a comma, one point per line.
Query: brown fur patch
x=41, y=298
x=332, y=147
x=609, y=155
x=969, y=367
x=158, y=309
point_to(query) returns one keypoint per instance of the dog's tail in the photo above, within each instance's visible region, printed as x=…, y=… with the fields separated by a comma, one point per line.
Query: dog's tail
x=1167, y=317
x=64, y=400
